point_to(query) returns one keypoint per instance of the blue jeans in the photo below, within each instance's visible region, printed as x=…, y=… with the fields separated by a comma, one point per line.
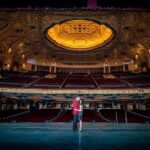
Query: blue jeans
x=75, y=121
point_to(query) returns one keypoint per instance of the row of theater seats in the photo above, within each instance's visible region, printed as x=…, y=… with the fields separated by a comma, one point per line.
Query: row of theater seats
x=75, y=81
x=18, y=79
x=79, y=81
x=50, y=83
x=137, y=80
x=109, y=82
x=66, y=116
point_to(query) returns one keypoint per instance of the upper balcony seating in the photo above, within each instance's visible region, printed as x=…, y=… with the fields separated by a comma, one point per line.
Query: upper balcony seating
x=50, y=83
x=75, y=81
x=16, y=81
x=79, y=81
x=107, y=83
x=139, y=80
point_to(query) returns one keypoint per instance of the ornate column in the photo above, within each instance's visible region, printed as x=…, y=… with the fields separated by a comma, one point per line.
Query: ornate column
x=104, y=69
x=35, y=69
x=50, y=69
x=109, y=69
x=124, y=68
x=55, y=69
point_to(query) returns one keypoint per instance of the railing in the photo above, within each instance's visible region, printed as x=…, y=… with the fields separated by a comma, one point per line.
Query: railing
x=73, y=91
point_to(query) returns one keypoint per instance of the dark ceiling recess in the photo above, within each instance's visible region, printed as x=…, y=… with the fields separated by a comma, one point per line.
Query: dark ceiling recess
x=73, y=3
x=124, y=3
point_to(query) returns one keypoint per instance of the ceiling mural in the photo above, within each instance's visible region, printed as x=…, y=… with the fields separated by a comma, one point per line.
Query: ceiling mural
x=65, y=18
x=79, y=35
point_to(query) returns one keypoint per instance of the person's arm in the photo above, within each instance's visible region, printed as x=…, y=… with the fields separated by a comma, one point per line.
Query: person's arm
x=80, y=109
x=76, y=109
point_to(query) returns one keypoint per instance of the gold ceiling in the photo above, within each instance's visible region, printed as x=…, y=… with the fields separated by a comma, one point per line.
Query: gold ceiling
x=79, y=35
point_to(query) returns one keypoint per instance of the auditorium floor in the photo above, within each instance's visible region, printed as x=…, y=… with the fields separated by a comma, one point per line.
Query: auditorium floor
x=59, y=136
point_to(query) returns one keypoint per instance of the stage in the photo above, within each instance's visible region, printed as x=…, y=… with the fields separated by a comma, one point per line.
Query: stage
x=95, y=136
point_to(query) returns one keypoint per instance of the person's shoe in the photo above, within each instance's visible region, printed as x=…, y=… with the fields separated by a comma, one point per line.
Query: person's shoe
x=76, y=130
x=80, y=130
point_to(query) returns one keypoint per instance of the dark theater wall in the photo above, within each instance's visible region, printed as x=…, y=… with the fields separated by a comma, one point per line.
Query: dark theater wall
x=73, y=3
x=44, y=3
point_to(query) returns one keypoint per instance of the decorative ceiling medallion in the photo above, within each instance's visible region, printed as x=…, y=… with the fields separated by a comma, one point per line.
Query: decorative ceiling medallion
x=79, y=35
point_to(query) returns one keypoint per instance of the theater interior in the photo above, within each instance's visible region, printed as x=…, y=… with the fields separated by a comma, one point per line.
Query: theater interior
x=52, y=51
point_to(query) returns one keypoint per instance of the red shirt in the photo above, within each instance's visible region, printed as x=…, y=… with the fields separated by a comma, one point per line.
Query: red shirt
x=75, y=106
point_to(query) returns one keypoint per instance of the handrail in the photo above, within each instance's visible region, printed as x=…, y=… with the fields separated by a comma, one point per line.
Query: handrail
x=63, y=83
x=148, y=117
x=59, y=113
x=15, y=115
x=94, y=81
x=104, y=118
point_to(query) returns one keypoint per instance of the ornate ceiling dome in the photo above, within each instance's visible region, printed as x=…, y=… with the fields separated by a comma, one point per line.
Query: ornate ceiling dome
x=79, y=35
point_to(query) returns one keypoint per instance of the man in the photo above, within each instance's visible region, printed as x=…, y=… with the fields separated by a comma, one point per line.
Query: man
x=75, y=106
x=80, y=114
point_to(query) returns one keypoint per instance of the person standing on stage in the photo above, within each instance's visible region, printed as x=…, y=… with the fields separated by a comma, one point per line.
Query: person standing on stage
x=75, y=112
x=80, y=114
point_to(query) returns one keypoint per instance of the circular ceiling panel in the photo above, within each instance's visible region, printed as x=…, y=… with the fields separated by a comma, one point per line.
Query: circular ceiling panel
x=79, y=35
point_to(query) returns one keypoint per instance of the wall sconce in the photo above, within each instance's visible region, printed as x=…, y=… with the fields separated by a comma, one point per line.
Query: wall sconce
x=116, y=62
x=23, y=55
x=23, y=65
x=9, y=50
x=136, y=66
x=136, y=56
x=8, y=65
